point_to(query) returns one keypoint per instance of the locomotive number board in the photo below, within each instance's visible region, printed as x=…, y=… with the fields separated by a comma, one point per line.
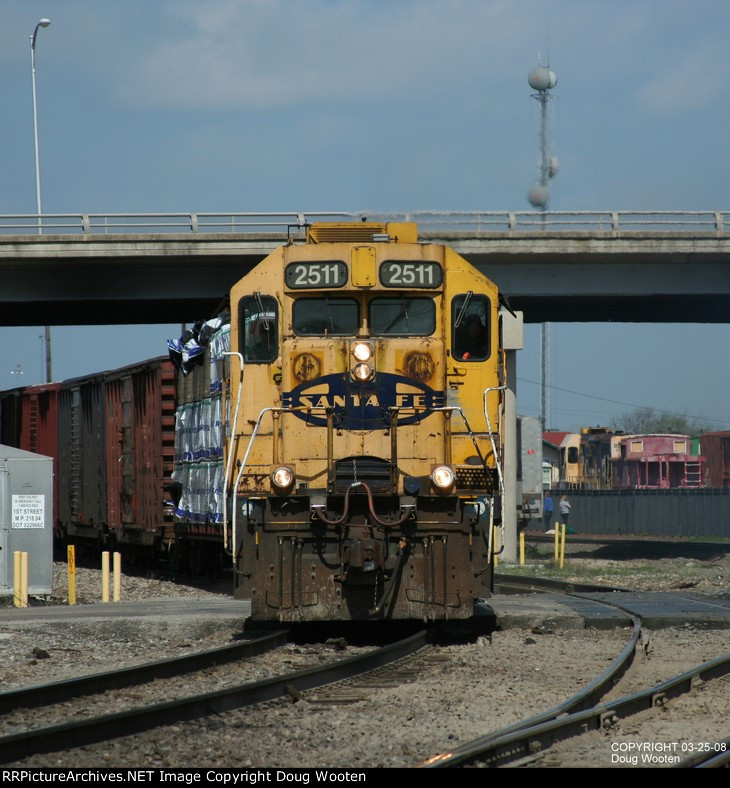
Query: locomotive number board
x=407, y=273
x=315, y=275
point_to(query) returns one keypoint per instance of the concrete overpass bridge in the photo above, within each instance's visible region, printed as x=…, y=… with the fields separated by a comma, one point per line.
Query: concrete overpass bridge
x=73, y=269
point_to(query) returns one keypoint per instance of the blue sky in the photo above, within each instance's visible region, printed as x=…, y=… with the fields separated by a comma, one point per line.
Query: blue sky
x=307, y=105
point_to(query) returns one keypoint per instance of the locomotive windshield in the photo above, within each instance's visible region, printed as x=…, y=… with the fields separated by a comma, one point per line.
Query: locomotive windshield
x=326, y=316
x=395, y=316
x=402, y=316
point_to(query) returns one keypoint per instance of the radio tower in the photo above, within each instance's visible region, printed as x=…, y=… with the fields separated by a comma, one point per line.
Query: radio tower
x=542, y=80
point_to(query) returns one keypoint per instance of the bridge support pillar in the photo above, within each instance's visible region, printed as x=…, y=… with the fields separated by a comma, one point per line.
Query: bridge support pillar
x=513, y=338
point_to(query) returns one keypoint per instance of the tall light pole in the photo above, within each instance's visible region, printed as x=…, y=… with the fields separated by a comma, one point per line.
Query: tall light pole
x=42, y=23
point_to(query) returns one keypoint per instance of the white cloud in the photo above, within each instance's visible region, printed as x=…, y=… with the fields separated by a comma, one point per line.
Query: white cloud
x=280, y=53
x=697, y=79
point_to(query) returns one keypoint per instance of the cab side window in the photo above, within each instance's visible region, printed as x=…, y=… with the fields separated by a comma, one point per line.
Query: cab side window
x=258, y=319
x=470, y=327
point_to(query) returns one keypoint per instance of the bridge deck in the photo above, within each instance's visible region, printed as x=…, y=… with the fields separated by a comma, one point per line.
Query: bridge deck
x=561, y=267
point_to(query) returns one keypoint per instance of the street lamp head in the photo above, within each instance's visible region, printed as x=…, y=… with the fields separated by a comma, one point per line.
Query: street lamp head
x=43, y=23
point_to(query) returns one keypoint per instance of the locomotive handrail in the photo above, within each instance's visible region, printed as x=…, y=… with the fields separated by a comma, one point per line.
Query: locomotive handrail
x=468, y=429
x=491, y=434
x=497, y=461
x=280, y=223
x=229, y=461
x=244, y=462
x=240, y=473
x=273, y=409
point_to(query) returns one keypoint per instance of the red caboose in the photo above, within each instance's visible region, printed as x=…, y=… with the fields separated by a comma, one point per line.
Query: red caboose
x=657, y=462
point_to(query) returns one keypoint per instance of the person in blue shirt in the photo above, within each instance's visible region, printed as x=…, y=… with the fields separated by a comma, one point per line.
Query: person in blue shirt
x=547, y=511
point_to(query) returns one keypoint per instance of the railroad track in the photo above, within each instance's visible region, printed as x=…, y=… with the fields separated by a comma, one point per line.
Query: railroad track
x=61, y=691
x=526, y=741
x=75, y=733
x=366, y=713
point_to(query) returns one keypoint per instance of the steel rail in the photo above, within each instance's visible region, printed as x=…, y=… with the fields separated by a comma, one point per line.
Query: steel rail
x=580, y=714
x=518, y=733
x=66, y=736
x=66, y=689
x=525, y=742
x=714, y=759
x=523, y=583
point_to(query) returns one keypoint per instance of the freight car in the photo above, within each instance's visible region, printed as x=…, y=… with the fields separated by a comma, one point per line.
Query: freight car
x=363, y=464
x=29, y=421
x=111, y=436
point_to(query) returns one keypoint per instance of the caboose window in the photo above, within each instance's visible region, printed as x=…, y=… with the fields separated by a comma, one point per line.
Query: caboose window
x=258, y=338
x=402, y=316
x=325, y=317
x=470, y=327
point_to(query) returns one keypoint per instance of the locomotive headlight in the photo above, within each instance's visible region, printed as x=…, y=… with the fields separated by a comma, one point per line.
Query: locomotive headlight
x=443, y=478
x=362, y=351
x=362, y=372
x=282, y=478
x=363, y=354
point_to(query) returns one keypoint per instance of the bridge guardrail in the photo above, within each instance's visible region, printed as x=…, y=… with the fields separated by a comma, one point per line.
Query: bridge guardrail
x=288, y=223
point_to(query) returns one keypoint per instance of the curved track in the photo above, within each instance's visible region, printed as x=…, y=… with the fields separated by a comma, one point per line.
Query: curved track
x=583, y=712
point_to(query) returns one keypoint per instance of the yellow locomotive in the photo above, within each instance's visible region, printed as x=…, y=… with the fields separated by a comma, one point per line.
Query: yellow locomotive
x=363, y=458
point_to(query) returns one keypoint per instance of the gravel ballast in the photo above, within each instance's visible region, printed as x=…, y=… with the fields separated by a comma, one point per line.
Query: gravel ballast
x=477, y=687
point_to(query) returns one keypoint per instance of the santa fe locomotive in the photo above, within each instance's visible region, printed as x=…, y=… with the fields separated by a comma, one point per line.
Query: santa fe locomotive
x=362, y=467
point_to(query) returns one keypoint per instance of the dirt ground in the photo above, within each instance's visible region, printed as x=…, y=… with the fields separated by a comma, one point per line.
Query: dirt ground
x=636, y=564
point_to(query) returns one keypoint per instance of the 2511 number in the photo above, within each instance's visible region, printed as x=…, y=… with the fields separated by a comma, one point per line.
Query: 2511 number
x=314, y=275
x=411, y=274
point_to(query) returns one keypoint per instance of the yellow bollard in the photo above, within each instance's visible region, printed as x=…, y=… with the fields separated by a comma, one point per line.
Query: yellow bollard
x=105, y=576
x=71, y=558
x=562, y=547
x=16, y=578
x=117, y=576
x=494, y=547
x=557, y=541
x=522, y=549
x=23, y=579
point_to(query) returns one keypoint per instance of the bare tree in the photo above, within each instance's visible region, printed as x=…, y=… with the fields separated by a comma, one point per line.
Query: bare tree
x=648, y=420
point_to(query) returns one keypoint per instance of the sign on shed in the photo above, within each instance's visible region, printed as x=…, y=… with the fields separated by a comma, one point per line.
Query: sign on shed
x=26, y=518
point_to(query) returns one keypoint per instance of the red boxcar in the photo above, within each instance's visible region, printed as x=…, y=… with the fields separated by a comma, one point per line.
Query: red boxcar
x=140, y=447
x=29, y=421
x=112, y=438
